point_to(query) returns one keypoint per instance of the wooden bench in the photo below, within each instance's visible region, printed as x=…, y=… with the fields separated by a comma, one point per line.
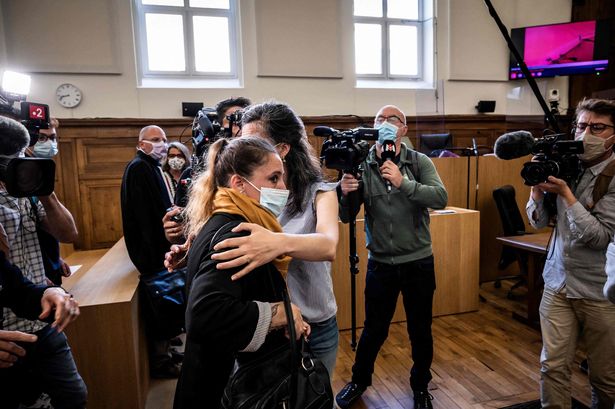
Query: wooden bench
x=107, y=340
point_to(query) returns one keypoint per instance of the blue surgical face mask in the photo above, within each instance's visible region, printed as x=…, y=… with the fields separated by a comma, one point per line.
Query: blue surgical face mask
x=386, y=132
x=271, y=199
x=47, y=149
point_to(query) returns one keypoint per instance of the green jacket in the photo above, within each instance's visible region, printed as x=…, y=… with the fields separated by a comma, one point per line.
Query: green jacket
x=397, y=223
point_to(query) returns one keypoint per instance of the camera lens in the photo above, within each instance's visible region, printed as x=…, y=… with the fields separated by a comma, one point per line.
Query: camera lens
x=534, y=173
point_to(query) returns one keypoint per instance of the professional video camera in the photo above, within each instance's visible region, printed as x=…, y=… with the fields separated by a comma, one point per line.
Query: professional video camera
x=552, y=156
x=345, y=150
x=205, y=131
x=233, y=119
x=33, y=115
x=25, y=177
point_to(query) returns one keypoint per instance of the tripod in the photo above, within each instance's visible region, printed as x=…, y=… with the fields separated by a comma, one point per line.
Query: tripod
x=353, y=259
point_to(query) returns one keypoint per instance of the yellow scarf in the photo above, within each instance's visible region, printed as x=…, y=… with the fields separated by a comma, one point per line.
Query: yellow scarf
x=232, y=202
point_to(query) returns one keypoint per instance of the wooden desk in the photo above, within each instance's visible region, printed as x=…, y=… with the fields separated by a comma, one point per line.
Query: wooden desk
x=535, y=245
x=107, y=340
x=455, y=242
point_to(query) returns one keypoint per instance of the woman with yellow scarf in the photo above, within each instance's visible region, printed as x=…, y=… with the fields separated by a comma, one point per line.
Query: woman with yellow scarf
x=227, y=319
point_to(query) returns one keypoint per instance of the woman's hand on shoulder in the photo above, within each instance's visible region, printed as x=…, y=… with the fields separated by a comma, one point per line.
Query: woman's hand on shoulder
x=258, y=248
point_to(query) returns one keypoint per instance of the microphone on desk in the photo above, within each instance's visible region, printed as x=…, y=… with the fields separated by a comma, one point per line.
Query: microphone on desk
x=388, y=153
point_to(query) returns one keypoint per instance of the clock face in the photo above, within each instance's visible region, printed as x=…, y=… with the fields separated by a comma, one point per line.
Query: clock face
x=68, y=95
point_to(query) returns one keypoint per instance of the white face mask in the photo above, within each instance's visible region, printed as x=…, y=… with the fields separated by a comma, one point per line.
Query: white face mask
x=593, y=146
x=271, y=199
x=159, y=149
x=47, y=149
x=386, y=132
x=176, y=163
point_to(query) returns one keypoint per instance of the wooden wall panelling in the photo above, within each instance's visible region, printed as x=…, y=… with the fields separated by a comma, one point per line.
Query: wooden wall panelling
x=104, y=158
x=454, y=175
x=69, y=185
x=493, y=173
x=102, y=212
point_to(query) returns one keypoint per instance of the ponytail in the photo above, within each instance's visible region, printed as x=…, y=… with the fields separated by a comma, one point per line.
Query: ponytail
x=225, y=157
x=202, y=192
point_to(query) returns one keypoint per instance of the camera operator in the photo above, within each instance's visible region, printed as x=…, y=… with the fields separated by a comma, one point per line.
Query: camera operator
x=226, y=108
x=46, y=147
x=396, y=194
x=54, y=367
x=173, y=225
x=573, y=304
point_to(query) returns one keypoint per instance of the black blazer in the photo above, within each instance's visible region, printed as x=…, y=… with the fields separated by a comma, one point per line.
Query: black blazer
x=221, y=317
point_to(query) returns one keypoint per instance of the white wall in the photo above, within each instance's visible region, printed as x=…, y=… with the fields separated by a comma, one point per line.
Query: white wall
x=119, y=96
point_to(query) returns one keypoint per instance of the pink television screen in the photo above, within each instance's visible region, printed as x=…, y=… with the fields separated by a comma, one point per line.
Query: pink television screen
x=561, y=49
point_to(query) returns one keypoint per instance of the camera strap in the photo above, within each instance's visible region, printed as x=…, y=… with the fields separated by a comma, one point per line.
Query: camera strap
x=603, y=180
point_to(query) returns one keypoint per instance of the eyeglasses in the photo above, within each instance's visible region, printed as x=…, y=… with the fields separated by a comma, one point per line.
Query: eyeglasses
x=595, y=128
x=44, y=138
x=392, y=119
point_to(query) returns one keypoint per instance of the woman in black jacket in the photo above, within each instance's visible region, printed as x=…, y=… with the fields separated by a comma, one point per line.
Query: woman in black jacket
x=230, y=320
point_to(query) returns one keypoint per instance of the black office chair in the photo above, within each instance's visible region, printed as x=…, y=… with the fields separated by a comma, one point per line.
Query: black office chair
x=513, y=225
x=433, y=144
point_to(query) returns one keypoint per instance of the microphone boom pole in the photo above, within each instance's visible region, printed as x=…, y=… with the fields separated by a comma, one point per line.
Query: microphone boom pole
x=550, y=118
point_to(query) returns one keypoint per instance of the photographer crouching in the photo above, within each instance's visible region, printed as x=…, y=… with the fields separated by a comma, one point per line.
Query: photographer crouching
x=396, y=193
x=573, y=305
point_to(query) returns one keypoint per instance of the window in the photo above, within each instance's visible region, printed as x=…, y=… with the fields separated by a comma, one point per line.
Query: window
x=392, y=39
x=187, y=38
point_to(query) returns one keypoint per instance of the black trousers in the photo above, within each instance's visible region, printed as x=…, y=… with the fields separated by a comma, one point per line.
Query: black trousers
x=416, y=281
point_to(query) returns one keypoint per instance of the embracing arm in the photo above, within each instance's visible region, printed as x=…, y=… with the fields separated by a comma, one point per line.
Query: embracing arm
x=262, y=245
x=322, y=244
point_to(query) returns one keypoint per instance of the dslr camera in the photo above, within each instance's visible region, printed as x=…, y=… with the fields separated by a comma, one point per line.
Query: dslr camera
x=345, y=150
x=553, y=157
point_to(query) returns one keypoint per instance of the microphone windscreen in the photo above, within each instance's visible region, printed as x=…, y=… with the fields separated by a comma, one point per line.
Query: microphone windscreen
x=513, y=145
x=388, y=150
x=323, y=131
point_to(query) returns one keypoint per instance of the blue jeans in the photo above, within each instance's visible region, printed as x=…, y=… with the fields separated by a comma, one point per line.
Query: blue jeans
x=47, y=367
x=416, y=281
x=323, y=342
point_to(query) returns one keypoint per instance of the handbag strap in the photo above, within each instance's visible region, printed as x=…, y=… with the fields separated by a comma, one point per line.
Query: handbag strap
x=290, y=323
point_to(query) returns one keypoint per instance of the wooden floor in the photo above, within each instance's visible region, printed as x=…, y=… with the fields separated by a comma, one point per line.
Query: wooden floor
x=482, y=359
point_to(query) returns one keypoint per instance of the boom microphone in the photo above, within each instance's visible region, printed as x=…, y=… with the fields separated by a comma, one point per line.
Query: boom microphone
x=324, y=131
x=388, y=153
x=513, y=145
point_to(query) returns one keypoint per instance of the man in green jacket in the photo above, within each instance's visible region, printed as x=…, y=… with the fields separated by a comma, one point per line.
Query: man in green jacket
x=397, y=194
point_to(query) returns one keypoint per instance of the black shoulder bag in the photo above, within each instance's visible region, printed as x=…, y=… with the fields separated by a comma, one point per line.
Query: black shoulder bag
x=286, y=377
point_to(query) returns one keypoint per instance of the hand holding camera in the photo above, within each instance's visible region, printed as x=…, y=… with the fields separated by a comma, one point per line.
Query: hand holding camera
x=349, y=184
x=173, y=224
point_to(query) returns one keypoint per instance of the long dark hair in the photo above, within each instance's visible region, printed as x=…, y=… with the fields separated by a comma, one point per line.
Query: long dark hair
x=280, y=123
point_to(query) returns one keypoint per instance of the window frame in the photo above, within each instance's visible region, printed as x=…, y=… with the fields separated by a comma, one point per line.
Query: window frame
x=385, y=23
x=187, y=13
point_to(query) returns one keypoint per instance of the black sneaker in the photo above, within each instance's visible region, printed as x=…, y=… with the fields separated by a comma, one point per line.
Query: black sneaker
x=349, y=393
x=422, y=400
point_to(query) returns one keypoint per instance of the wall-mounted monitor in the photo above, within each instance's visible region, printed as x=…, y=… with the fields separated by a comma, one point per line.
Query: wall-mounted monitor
x=562, y=49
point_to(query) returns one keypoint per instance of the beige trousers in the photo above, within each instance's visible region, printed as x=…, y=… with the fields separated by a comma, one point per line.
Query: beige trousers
x=564, y=321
